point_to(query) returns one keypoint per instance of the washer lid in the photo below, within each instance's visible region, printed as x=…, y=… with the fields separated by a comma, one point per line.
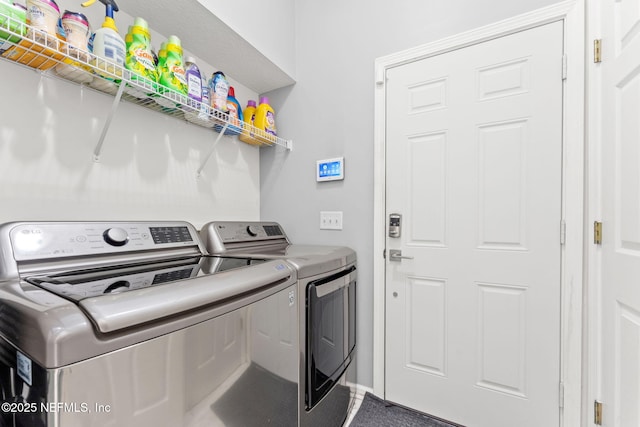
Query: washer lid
x=125, y=296
x=92, y=283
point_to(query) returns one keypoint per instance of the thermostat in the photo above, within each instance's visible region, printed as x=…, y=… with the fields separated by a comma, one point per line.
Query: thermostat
x=330, y=169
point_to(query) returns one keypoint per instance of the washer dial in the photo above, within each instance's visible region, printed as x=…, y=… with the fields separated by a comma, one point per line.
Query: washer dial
x=116, y=236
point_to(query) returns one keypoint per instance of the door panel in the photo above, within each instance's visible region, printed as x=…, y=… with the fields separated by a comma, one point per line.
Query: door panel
x=474, y=145
x=620, y=207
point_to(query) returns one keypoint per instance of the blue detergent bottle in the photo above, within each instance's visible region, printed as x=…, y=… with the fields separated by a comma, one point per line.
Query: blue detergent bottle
x=234, y=110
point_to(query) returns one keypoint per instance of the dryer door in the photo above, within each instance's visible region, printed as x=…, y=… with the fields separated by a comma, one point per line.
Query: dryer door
x=330, y=324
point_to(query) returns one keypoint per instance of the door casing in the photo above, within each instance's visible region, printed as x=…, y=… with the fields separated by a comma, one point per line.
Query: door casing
x=572, y=12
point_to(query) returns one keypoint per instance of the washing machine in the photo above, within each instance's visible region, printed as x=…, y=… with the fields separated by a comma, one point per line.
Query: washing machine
x=132, y=324
x=327, y=278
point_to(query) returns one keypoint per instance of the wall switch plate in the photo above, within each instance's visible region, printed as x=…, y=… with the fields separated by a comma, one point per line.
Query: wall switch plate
x=330, y=220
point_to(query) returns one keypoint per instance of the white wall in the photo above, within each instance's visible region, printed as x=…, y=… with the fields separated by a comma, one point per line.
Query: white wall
x=329, y=113
x=147, y=171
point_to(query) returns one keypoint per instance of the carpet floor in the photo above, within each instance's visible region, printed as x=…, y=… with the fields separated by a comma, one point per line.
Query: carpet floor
x=374, y=412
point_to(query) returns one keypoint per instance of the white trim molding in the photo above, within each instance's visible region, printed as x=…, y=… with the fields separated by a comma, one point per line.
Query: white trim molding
x=572, y=12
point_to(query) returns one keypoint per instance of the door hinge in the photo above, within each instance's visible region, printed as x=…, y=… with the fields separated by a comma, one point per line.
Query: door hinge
x=597, y=413
x=384, y=254
x=561, y=397
x=563, y=232
x=597, y=51
x=564, y=67
x=597, y=233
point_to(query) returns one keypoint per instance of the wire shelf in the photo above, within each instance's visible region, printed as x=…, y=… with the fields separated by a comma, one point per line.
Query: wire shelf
x=23, y=44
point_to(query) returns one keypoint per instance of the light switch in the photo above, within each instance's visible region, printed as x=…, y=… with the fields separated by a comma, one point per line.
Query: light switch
x=331, y=220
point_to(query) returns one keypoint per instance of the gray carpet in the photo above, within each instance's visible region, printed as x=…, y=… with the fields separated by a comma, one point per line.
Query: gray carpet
x=375, y=412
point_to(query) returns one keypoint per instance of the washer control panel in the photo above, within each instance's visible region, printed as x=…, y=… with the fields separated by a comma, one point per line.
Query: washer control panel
x=34, y=241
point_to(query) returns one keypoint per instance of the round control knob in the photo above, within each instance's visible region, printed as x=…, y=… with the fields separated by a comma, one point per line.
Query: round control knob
x=252, y=230
x=116, y=236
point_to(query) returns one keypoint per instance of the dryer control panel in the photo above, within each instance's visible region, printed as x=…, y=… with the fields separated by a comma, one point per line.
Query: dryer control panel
x=221, y=236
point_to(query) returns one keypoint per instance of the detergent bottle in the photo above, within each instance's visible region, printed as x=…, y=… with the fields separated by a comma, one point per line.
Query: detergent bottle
x=234, y=110
x=42, y=17
x=247, y=134
x=108, y=46
x=265, y=122
x=195, y=93
x=172, y=74
x=139, y=57
x=159, y=99
x=194, y=83
x=218, y=91
x=12, y=17
x=205, y=104
x=76, y=30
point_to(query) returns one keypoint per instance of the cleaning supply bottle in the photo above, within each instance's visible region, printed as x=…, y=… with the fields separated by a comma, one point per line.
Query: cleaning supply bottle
x=235, y=115
x=42, y=18
x=265, y=122
x=194, y=83
x=76, y=30
x=107, y=43
x=194, y=92
x=172, y=74
x=169, y=104
x=139, y=58
x=219, y=90
x=247, y=134
x=13, y=18
x=206, y=101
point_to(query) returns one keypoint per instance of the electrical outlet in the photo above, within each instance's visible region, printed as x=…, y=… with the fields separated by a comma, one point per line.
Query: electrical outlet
x=330, y=220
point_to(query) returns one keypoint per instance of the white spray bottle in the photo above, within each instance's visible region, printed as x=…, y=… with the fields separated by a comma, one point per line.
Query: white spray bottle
x=107, y=43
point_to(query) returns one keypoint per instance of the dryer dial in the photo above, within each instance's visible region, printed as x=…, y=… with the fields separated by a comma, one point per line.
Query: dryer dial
x=252, y=230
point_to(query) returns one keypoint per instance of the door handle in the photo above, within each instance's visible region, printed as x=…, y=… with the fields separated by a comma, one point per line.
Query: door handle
x=396, y=255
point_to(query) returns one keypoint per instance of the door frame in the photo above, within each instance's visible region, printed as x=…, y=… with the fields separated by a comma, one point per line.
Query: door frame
x=572, y=12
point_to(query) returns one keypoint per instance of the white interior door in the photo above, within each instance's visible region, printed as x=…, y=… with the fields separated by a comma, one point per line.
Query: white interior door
x=473, y=151
x=619, y=285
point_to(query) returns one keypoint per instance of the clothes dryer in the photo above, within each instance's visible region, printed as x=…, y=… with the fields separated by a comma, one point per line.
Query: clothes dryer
x=327, y=278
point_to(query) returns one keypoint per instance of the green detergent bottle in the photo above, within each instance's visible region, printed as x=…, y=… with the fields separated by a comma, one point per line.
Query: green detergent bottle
x=168, y=104
x=172, y=73
x=139, y=58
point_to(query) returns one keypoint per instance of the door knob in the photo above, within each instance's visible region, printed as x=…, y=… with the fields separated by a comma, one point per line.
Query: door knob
x=396, y=255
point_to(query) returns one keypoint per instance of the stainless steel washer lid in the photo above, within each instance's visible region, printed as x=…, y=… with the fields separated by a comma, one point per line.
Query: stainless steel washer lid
x=56, y=332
